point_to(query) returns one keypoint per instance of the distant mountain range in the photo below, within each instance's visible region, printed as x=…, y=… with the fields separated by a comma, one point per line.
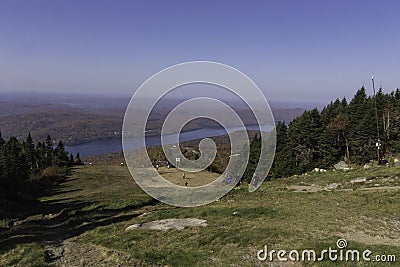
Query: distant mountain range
x=78, y=120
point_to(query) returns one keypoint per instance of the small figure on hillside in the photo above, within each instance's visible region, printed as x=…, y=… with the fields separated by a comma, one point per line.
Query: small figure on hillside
x=238, y=182
x=255, y=181
x=186, y=184
x=167, y=164
x=183, y=176
x=157, y=167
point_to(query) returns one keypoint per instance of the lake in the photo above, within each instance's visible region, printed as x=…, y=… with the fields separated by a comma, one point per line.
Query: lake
x=99, y=147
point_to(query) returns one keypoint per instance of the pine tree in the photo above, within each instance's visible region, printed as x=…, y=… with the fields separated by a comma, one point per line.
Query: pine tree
x=78, y=159
x=361, y=135
x=1, y=140
x=340, y=130
x=48, y=152
x=328, y=149
x=30, y=153
x=61, y=155
x=304, y=135
x=20, y=160
x=13, y=164
x=340, y=127
x=3, y=173
x=41, y=155
x=397, y=94
x=254, y=155
x=283, y=163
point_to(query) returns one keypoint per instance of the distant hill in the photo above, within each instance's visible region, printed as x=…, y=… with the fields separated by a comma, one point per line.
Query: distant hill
x=287, y=114
x=61, y=123
x=74, y=122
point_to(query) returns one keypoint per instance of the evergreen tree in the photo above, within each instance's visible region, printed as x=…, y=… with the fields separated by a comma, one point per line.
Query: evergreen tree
x=254, y=155
x=362, y=134
x=397, y=94
x=13, y=164
x=328, y=149
x=283, y=163
x=48, y=152
x=333, y=109
x=29, y=152
x=340, y=131
x=1, y=140
x=60, y=155
x=78, y=159
x=20, y=160
x=340, y=127
x=303, y=137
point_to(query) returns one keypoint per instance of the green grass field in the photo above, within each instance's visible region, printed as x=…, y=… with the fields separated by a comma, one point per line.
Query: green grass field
x=83, y=222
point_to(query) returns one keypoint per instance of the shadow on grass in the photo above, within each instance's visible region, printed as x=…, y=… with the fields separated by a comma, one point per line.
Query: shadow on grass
x=53, y=221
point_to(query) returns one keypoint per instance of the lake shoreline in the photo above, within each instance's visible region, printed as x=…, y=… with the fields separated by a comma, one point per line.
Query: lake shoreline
x=110, y=145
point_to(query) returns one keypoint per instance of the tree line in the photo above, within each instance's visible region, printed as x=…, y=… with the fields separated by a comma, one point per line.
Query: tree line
x=342, y=130
x=26, y=168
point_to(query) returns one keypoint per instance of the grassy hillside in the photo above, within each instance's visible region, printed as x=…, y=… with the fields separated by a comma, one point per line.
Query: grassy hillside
x=83, y=223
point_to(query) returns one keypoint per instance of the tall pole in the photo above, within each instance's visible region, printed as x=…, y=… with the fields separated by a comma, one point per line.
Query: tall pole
x=378, y=144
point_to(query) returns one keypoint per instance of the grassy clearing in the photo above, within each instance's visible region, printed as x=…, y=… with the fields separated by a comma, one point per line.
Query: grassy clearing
x=175, y=176
x=98, y=202
x=23, y=255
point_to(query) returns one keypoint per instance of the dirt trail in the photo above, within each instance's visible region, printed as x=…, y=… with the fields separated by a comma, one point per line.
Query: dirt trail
x=359, y=183
x=63, y=250
x=63, y=246
x=374, y=231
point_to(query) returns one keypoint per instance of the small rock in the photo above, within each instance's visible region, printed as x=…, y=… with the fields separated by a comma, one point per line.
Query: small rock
x=131, y=227
x=367, y=166
x=166, y=224
x=396, y=162
x=144, y=214
x=358, y=180
x=332, y=186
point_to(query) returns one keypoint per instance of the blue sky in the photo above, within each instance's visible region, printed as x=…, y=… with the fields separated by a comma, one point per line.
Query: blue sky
x=294, y=50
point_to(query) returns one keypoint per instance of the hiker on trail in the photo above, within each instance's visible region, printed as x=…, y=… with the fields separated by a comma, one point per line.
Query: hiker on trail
x=157, y=167
x=167, y=164
x=186, y=183
x=183, y=176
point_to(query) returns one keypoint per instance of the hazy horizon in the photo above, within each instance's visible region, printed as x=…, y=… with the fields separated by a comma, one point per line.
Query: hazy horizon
x=121, y=101
x=308, y=51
